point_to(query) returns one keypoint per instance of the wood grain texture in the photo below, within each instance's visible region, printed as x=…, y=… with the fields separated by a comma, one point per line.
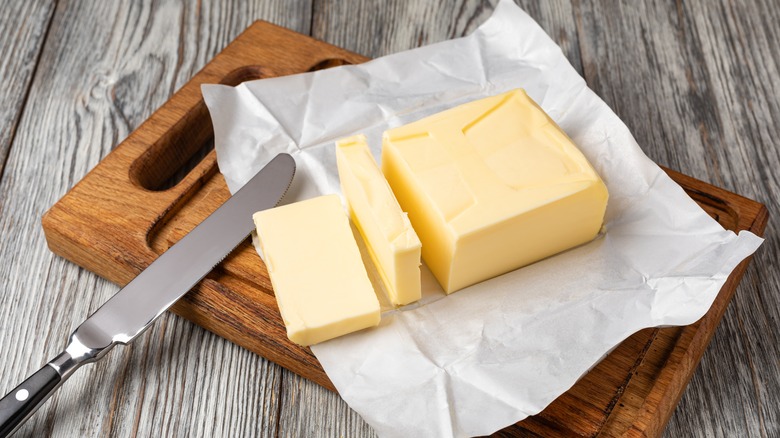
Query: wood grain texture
x=371, y=28
x=740, y=375
x=105, y=67
x=183, y=381
x=24, y=26
x=696, y=83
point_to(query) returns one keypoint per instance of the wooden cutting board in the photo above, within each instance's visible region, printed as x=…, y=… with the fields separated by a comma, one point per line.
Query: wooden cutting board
x=163, y=180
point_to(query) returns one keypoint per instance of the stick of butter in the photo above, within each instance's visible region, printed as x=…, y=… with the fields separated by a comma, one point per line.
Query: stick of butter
x=390, y=238
x=490, y=186
x=319, y=280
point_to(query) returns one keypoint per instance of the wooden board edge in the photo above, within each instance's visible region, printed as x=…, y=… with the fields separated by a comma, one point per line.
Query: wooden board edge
x=670, y=385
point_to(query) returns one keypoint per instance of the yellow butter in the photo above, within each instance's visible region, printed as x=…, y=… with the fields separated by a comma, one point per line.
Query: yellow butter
x=490, y=186
x=319, y=280
x=390, y=238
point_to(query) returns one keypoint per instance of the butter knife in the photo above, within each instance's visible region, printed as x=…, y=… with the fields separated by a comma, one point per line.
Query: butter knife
x=134, y=308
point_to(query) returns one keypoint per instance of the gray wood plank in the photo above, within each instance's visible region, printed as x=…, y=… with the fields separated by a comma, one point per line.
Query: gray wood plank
x=24, y=26
x=737, y=387
x=374, y=28
x=380, y=28
x=697, y=85
x=106, y=66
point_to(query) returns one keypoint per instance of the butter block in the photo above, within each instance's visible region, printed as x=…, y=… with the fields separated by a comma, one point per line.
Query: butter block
x=391, y=241
x=319, y=280
x=491, y=186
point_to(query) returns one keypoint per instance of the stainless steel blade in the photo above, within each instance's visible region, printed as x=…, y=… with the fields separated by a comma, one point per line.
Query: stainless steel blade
x=134, y=308
x=128, y=313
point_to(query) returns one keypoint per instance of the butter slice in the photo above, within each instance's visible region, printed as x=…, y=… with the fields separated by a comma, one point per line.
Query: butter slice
x=389, y=236
x=490, y=186
x=319, y=280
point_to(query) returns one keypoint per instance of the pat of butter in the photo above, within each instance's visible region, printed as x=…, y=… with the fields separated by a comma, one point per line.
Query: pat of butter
x=319, y=280
x=490, y=186
x=390, y=238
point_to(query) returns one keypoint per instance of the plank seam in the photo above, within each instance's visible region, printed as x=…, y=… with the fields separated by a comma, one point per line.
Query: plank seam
x=279, y=402
x=753, y=375
x=23, y=105
x=312, y=11
x=576, y=12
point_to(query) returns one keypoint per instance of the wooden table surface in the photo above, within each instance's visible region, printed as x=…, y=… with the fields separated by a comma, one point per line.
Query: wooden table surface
x=697, y=82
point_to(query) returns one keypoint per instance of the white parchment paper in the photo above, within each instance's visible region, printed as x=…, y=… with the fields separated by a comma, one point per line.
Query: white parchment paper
x=494, y=353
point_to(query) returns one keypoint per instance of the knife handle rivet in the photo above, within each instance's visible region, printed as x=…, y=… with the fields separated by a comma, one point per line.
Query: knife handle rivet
x=22, y=394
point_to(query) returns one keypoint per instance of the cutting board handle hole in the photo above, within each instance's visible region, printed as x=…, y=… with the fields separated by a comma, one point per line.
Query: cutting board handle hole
x=176, y=153
x=246, y=73
x=185, y=168
x=187, y=143
x=328, y=63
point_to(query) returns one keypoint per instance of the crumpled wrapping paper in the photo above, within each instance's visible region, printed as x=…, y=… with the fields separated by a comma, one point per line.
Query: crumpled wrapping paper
x=489, y=355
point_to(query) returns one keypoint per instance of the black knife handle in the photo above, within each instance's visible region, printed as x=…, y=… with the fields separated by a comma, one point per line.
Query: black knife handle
x=20, y=403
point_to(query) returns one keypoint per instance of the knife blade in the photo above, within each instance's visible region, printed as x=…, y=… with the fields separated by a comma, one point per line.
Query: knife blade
x=136, y=306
